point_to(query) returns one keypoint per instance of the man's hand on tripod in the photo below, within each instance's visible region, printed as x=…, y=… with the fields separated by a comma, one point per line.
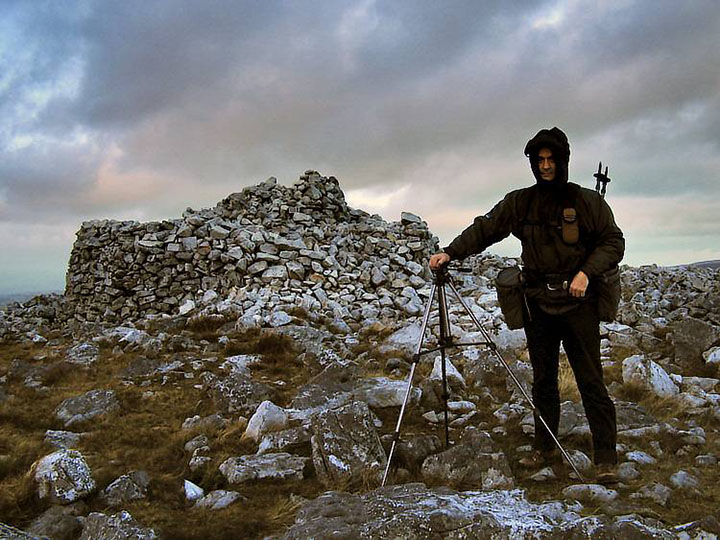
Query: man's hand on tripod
x=438, y=260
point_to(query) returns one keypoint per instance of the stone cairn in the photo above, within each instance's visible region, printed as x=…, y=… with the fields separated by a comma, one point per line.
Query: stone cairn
x=301, y=243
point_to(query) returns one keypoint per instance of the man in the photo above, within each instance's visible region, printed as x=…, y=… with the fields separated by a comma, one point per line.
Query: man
x=569, y=238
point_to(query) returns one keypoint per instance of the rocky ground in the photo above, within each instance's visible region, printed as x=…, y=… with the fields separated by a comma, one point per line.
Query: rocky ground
x=266, y=409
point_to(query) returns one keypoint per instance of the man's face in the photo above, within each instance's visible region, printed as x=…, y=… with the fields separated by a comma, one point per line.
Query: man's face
x=546, y=164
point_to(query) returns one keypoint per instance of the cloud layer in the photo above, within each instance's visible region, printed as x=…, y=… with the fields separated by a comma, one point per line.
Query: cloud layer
x=138, y=109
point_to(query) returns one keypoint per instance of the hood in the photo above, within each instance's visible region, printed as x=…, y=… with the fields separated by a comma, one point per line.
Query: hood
x=557, y=142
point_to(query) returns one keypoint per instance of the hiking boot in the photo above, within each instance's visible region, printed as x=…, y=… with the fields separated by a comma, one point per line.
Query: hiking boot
x=606, y=473
x=539, y=458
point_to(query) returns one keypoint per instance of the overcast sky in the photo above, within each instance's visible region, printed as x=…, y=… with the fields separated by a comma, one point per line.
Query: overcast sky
x=137, y=110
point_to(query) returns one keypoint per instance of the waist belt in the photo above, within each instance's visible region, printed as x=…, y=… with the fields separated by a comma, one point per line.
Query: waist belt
x=552, y=282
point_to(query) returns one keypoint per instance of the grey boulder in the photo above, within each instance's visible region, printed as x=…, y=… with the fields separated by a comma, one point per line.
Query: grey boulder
x=129, y=487
x=346, y=449
x=277, y=467
x=120, y=526
x=63, y=477
x=87, y=406
x=476, y=463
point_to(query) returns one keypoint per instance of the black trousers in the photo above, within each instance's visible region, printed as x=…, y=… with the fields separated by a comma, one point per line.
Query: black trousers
x=579, y=332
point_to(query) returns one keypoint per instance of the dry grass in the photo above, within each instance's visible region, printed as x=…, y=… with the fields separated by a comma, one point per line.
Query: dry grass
x=279, y=365
x=144, y=435
x=205, y=326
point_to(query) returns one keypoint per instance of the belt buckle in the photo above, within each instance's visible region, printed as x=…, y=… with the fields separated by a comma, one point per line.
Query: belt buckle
x=562, y=287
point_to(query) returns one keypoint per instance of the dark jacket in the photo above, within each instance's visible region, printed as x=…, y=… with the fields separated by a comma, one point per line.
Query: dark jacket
x=533, y=215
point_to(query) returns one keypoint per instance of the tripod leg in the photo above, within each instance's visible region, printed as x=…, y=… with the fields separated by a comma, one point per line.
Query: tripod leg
x=445, y=341
x=415, y=360
x=445, y=397
x=493, y=347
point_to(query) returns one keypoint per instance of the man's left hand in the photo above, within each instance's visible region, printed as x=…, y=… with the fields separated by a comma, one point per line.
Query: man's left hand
x=579, y=285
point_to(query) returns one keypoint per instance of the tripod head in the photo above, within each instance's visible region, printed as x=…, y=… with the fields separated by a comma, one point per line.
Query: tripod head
x=441, y=274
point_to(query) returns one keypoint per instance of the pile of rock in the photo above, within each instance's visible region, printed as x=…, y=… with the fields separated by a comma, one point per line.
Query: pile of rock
x=301, y=243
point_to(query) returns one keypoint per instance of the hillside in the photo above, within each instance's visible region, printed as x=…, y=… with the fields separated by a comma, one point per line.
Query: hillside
x=237, y=373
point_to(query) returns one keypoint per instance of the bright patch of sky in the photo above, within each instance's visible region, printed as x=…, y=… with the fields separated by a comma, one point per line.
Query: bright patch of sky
x=551, y=18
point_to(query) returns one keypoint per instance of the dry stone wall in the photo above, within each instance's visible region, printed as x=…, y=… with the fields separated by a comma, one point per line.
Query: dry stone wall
x=301, y=242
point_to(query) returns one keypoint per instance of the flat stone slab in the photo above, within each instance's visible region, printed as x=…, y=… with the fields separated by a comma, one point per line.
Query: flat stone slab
x=381, y=392
x=413, y=511
x=218, y=499
x=263, y=467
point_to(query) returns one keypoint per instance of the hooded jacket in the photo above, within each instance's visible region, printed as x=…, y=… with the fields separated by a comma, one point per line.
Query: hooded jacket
x=534, y=216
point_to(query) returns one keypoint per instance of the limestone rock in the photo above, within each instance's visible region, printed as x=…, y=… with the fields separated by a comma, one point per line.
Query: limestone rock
x=129, y=487
x=279, y=318
x=411, y=452
x=455, y=380
x=279, y=467
x=414, y=512
x=268, y=417
x=90, y=405
x=62, y=439
x=291, y=440
x=218, y=499
x=641, y=458
x=590, y=493
x=235, y=393
x=63, y=477
x=83, y=354
x=655, y=492
x=712, y=356
x=210, y=422
x=543, y=475
x=275, y=272
x=8, y=532
x=627, y=472
x=407, y=218
x=120, y=526
x=406, y=338
x=381, y=392
x=647, y=374
x=475, y=463
x=332, y=387
x=684, y=480
x=186, y=307
x=692, y=337
x=58, y=522
x=345, y=446
x=193, y=492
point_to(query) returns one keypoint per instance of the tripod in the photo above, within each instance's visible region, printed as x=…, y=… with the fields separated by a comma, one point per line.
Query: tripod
x=441, y=278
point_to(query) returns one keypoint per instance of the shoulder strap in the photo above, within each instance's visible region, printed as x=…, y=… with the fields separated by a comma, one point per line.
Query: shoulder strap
x=525, y=204
x=571, y=195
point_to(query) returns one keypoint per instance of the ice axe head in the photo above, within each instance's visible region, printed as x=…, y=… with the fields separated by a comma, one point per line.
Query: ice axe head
x=601, y=178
